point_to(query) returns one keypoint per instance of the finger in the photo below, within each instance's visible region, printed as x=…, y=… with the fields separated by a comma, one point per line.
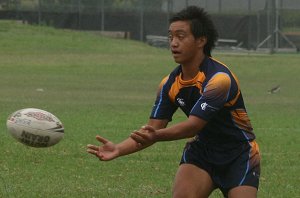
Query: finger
x=141, y=134
x=101, y=139
x=138, y=140
x=97, y=154
x=91, y=151
x=139, y=145
x=93, y=147
x=136, y=137
x=148, y=127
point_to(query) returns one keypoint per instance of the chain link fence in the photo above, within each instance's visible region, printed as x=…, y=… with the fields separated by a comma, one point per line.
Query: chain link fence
x=245, y=24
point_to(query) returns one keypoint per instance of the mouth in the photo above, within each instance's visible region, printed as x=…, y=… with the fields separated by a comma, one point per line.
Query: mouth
x=175, y=52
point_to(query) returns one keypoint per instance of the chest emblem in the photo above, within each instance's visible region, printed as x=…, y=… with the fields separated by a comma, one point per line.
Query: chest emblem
x=203, y=106
x=181, y=102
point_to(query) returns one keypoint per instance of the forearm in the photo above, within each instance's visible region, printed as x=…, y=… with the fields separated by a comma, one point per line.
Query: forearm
x=148, y=135
x=129, y=146
x=175, y=132
x=182, y=130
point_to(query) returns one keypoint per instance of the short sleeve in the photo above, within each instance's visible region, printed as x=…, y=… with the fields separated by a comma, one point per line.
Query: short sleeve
x=215, y=95
x=163, y=107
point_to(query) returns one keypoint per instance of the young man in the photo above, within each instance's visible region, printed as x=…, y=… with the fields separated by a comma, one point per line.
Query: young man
x=222, y=153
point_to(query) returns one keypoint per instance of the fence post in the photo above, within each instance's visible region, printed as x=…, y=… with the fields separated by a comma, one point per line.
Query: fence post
x=169, y=10
x=39, y=12
x=18, y=7
x=186, y=3
x=102, y=15
x=142, y=20
x=249, y=24
x=79, y=14
x=220, y=6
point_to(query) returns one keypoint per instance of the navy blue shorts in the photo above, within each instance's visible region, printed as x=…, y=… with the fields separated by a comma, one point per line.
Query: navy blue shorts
x=237, y=166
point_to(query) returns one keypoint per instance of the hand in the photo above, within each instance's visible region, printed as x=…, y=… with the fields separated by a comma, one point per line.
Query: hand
x=105, y=152
x=146, y=136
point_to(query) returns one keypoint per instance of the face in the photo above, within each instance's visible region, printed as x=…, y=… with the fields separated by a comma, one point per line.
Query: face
x=185, y=48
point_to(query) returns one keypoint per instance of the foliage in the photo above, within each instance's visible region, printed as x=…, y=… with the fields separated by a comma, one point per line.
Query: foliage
x=290, y=18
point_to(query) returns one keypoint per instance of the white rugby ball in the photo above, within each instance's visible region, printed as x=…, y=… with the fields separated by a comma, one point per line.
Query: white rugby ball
x=35, y=127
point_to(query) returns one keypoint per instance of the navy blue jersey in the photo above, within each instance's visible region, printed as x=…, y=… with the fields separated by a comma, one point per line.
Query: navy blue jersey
x=213, y=95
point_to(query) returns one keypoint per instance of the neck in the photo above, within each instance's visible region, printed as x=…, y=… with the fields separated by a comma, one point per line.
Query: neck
x=190, y=70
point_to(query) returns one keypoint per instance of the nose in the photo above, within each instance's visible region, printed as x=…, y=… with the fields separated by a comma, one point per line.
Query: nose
x=173, y=42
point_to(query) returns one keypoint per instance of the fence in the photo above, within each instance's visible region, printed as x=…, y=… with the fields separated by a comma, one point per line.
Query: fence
x=250, y=24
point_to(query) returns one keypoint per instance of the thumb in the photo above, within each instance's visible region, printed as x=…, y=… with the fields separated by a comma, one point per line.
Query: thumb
x=148, y=127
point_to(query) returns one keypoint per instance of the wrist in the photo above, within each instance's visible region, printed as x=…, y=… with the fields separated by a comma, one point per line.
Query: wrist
x=158, y=136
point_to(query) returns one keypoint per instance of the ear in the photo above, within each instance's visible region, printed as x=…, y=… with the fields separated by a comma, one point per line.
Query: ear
x=201, y=41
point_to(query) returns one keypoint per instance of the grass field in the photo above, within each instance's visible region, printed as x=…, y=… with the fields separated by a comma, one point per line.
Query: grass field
x=96, y=85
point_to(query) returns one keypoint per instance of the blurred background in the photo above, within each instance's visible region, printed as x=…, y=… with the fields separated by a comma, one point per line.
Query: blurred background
x=258, y=25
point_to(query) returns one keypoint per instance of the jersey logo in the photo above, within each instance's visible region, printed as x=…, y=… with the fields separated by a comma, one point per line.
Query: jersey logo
x=181, y=102
x=203, y=106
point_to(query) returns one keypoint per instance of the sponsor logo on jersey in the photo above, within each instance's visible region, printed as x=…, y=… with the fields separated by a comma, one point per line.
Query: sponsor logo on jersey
x=203, y=106
x=180, y=102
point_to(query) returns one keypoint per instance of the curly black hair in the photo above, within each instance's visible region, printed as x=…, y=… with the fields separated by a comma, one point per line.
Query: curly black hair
x=201, y=25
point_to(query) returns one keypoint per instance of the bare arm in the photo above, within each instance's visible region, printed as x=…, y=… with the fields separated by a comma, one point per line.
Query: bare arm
x=129, y=146
x=108, y=150
x=185, y=129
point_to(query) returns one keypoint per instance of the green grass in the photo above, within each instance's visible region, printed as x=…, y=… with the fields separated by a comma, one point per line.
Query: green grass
x=96, y=85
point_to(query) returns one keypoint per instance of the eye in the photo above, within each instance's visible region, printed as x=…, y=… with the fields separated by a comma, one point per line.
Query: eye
x=181, y=36
x=170, y=37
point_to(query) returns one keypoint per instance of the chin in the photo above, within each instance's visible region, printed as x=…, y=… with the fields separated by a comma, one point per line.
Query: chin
x=177, y=60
